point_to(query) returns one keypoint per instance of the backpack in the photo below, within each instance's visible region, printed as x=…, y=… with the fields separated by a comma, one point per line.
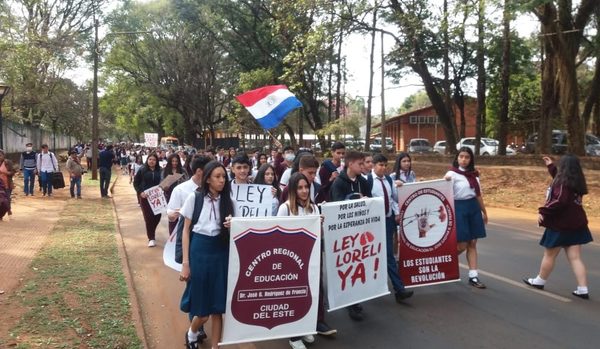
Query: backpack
x=370, y=181
x=199, y=202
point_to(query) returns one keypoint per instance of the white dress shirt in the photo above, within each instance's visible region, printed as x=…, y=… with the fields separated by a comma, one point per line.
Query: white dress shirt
x=180, y=194
x=209, y=221
x=377, y=191
x=46, y=162
x=462, y=188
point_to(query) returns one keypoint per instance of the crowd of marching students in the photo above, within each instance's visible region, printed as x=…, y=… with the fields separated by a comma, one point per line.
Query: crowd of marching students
x=299, y=183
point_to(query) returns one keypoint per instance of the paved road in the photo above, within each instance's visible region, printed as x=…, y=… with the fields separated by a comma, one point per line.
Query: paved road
x=505, y=315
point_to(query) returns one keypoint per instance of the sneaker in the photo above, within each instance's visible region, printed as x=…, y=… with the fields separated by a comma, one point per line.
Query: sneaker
x=581, y=295
x=476, y=283
x=188, y=344
x=299, y=344
x=309, y=338
x=402, y=295
x=151, y=243
x=530, y=283
x=355, y=312
x=324, y=330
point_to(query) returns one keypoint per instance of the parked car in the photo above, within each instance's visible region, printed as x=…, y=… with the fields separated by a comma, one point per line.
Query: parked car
x=375, y=145
x=439, y=147
x=560, y=143
x=487, y=146
x=419, y=145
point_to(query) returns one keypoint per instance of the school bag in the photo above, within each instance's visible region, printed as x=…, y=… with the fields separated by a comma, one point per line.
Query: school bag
x=370, y=181
x=199, y=202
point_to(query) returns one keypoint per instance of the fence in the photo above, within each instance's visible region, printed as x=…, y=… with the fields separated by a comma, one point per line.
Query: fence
x=15, y=137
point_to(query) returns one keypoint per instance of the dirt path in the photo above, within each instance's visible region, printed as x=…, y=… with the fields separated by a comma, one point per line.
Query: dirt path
x=21, y=237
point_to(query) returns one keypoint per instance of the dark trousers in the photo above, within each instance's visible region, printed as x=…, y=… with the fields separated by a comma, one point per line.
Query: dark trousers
x=104, y=181
x=29, y=180
x=392, y=265
x=46, y=178
x=150, y=219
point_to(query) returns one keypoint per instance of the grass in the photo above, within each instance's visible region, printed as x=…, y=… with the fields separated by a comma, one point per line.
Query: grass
x=76, y=296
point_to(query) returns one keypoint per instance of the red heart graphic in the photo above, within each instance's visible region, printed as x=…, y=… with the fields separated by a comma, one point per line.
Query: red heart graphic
x=370, y=236
x=363, y=239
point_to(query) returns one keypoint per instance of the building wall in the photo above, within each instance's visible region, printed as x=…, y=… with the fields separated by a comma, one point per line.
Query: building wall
x=16, y=136
x=402, y=131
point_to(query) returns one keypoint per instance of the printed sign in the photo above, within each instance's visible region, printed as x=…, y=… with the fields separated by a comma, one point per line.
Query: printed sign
x=355, y=251
x=156, y=199
x=252, y=200
x=273, y=280
x=427, y=240
x=151, y=140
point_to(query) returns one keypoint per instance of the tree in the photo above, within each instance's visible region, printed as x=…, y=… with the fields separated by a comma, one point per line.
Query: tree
x=563, y=30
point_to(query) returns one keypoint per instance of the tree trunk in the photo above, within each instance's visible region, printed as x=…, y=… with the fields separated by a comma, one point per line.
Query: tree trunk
x=383, y=133
x=290, y=131
x=371, y=73
x=504, y=93
x=593, y=95
x=481, y=81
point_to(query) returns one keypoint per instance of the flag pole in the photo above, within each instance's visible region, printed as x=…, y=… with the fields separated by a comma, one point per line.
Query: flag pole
x=277, y=143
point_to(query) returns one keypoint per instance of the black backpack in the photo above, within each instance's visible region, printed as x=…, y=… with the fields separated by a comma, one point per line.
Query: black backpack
x=199, y=197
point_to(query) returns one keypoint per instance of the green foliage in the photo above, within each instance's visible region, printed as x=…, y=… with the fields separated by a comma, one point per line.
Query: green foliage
x=342, y=126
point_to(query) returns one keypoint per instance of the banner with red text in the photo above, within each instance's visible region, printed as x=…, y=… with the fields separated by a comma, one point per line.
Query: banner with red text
x=273, y=280
x=355, y=251
x=427, y=240
x=157, y=200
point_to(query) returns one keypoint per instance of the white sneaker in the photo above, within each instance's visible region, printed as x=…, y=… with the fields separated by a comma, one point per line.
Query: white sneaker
x=151, y=243
x=309, y=338
x=299, y=344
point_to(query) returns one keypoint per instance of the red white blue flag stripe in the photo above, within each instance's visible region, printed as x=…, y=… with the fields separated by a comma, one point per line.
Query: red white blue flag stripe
x=270, y=104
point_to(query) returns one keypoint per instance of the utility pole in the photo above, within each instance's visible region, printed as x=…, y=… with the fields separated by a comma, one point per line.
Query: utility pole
x=95, y=133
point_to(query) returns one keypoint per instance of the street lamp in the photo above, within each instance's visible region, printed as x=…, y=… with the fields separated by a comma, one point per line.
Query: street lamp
x=3, y=92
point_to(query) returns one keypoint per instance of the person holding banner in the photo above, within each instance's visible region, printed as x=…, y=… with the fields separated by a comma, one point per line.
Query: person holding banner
x=240, y=169
x=300, y=204
x=382, y=186
x=266, y=175
x=565, y=221
x=470, y=212
x=350, y=184
x=173, y=167
x=403, y=172
x=205, y=249
x=148, y=177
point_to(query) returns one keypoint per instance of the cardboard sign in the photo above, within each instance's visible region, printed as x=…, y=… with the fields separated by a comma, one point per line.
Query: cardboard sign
x=273, y=280
x=355, y=251
x=151, y=140
x=252, y=200
x=427, y=240
x=156, y=199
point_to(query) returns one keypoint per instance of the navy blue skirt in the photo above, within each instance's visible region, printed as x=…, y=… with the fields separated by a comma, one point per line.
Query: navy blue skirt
x=206, y=292
x=469, y=221
x=553, y=238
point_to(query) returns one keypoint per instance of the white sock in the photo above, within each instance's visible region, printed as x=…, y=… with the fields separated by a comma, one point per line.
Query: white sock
x=582, y=290
x=473, y=273
x=192, y=336
x=538, y=281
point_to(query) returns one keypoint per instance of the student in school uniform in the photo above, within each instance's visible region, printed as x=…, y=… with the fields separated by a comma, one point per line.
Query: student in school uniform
x=350, y=184
x=367, y=165
x=147, y=177
x=565, y=221
x=266, y=175
x=206, y=255
x=470, y=212
x=403, y=172
x=331, y=168
x=382, y=186
x=240, y=169
x=307, y=164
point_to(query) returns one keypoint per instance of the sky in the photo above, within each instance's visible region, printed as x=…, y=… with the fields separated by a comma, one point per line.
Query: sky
x=357, y=51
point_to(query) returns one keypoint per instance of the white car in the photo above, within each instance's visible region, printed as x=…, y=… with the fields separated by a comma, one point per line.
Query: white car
x=439, y=147
x=488, y=146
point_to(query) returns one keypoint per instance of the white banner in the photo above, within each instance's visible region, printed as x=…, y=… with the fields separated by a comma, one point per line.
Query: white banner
x=169, y=252
x=273, y=280
x=355, y=251
x=151, y=140
x=156, y=199
x=252, y=200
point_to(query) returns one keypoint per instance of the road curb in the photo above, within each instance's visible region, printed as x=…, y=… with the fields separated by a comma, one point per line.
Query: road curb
x=136, y=309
